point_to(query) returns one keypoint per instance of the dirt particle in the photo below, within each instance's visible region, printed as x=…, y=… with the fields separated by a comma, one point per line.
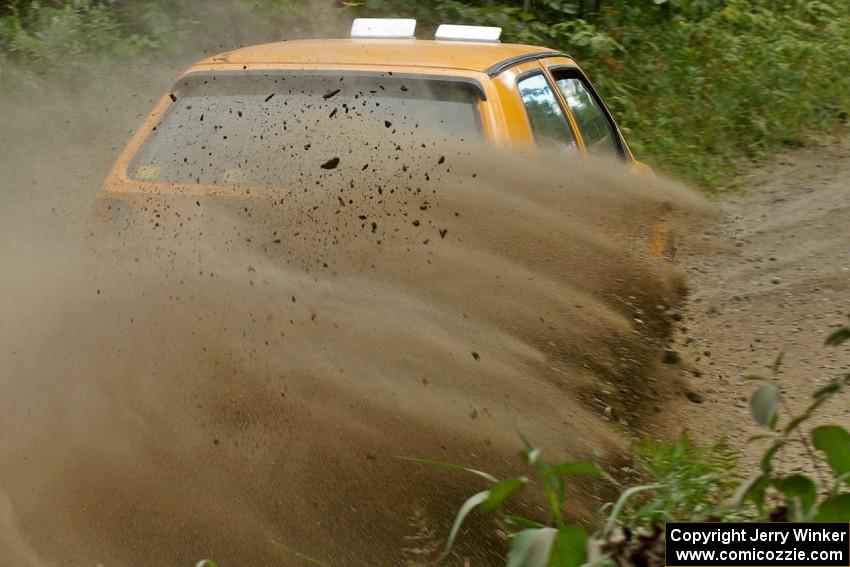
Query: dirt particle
x=673, y=314
x=695, y=397
x=331, y=163
x=671, y=357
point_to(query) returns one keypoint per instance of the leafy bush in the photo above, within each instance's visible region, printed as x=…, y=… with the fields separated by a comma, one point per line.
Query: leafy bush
x=65, y=42
x=800, y=497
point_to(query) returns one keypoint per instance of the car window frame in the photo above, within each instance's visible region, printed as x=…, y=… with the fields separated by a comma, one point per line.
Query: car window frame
x=575, y=72
x=568, y=116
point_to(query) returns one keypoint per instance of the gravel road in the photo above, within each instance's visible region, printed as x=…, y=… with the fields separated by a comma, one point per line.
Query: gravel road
x=772, y=276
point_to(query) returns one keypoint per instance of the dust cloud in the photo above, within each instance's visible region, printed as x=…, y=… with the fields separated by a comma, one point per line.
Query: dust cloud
x=234, y=375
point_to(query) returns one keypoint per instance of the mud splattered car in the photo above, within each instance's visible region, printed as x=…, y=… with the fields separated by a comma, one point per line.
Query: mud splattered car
x=264, y=119
x=246, y=117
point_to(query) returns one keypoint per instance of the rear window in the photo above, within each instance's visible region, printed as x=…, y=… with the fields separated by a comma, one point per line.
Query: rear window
x=265, y=129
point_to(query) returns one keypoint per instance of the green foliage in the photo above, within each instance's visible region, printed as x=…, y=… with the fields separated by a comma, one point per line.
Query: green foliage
x=66, y=41
x=696, y=84
x=683, y=483
x=840, y=336
x=69, y=41
x=802, y=498
x=689, y=482
x=531, y=543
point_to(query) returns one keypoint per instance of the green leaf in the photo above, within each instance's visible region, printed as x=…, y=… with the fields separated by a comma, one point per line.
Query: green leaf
x=835, y=442
x=530, y=548
x=206, y=563
x=621, y=501
x=501, y=490
x=800, y=493
x=764, y=404
x=751, y=489
x=835, y=509
x=569, y=548
x=840, y=336
x=429, y=462
x=464, y=511
x=753, y=377
x=574, y=468
x=298, y=554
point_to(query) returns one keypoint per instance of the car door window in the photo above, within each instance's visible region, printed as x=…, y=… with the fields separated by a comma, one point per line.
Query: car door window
x=598, y=133
x=545, y=114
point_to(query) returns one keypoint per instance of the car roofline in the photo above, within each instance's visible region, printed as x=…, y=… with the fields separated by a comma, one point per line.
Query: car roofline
x=502, y=66
x=322, y=52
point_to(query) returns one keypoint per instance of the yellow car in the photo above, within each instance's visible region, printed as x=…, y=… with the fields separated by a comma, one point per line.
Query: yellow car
x=249, y=117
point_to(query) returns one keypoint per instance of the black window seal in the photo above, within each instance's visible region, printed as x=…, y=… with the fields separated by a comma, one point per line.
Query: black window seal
x=502, y=66
x=577, y=73
x=554, y=89
x=476, y=86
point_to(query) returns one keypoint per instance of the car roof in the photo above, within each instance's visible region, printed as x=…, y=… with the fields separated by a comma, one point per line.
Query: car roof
x=466, y=55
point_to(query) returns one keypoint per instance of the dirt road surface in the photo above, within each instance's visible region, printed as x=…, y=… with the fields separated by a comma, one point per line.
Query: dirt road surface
x=773, y=276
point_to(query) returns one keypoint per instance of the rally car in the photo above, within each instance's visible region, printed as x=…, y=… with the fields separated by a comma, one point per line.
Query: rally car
x=250, y=119
x=463, y=84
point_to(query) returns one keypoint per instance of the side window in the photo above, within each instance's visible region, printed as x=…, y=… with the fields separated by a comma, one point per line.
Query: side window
x=545, y=114
x=599, y=135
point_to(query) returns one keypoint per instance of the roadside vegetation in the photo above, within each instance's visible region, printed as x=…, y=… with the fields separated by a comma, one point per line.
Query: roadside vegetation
x=676, y=481
x=700, y=86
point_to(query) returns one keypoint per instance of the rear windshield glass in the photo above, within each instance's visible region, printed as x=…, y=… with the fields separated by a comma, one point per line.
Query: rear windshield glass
x=265, y=129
